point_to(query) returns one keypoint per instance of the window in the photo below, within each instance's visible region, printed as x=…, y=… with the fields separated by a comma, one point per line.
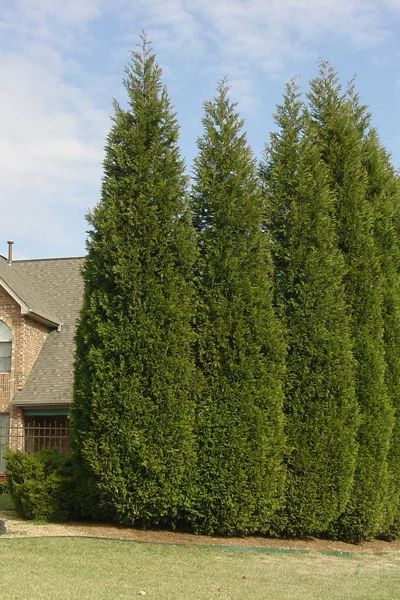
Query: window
x=5, y=348
x=46, y=431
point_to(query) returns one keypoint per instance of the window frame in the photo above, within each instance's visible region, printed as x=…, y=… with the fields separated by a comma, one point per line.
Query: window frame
x=8, y=344
x=45, y=431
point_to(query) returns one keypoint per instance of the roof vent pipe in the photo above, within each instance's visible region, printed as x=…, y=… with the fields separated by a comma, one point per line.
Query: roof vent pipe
x=10, y=252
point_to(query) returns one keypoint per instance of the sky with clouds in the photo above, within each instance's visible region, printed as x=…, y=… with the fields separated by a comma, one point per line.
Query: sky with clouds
x=62, y=61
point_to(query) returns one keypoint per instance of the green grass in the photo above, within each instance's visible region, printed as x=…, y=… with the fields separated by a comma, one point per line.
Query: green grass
x=60, y=568
x=6, y=502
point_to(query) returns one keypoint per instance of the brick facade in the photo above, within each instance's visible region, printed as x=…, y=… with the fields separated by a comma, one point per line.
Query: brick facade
x=27, y=340
x=36, y=394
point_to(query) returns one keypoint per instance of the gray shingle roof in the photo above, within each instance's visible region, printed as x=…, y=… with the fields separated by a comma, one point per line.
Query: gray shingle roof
x=60, y=282
x=27, y=293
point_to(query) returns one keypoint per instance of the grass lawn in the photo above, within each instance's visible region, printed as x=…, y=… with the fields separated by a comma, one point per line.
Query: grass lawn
x=84, y=568
x=5, y=502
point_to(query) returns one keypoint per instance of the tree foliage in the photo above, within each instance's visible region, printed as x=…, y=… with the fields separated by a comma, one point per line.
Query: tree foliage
x=237, y=357
x=384, y=195
x=340, y=124
x=133, y=409
x=320, y=405
x=239, y=349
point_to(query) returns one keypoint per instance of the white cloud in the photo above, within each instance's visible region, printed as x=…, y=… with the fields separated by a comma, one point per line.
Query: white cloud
x=51, y=133
x=238, y=37
x=393, y=4
x=52, y=128
x=50, y=148
x=40, y=13
x=267, y=33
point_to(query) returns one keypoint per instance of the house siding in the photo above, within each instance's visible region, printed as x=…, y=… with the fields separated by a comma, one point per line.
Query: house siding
x=42, y=356
x=27, y=341
x=33, y=337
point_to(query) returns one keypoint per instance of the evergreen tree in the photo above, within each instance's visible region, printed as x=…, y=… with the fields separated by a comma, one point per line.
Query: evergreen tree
x=239, y=349
x=384, y=195
x=133, y=412
x=320, y=404
x=340, y=126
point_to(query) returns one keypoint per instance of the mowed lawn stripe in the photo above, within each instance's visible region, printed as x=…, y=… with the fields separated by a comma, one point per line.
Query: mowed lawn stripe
x=84, y=568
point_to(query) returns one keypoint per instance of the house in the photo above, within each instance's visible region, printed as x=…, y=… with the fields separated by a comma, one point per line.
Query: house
x=39, y=305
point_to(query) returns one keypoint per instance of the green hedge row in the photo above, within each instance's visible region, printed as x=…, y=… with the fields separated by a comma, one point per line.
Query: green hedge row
x=241, y=372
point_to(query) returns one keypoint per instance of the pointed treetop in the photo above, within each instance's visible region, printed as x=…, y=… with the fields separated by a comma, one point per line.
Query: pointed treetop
x=289, y=117
x=291, y=108
x=143, y=76
x=325, y=89
x=221, y=110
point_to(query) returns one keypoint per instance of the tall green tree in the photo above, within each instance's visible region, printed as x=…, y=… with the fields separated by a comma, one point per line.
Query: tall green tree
x=320, y=405
x=384, y=195
x=339, y=124
x=133, y=409
x=239, y=349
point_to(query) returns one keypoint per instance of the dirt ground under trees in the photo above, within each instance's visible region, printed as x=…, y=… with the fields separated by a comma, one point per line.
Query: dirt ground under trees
x=16, y=527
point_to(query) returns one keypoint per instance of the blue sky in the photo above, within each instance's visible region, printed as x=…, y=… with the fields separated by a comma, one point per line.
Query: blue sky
x=62, y=61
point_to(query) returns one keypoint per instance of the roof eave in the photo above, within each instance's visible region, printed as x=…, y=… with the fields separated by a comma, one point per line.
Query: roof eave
x=46, y=404
x=27, y=311
x=45, y=320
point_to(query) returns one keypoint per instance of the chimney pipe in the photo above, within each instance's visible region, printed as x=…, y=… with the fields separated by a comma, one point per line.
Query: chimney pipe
x=10, y=252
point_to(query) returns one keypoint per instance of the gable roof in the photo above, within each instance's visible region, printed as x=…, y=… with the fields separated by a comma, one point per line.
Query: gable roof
x=51, y=379
x=25, y=292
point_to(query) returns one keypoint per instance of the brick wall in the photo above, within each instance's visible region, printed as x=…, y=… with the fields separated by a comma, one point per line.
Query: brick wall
x=33, y=336
x=16, y=442
x=28, y=338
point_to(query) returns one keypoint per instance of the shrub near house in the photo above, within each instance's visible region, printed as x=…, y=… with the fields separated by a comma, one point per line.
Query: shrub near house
x=41, y=485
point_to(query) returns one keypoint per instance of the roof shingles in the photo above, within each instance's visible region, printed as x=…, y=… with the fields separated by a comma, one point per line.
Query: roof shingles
x=27, y=293
x=60, y=281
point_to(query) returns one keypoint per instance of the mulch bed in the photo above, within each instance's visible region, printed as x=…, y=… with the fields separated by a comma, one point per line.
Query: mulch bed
x=18, y=528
